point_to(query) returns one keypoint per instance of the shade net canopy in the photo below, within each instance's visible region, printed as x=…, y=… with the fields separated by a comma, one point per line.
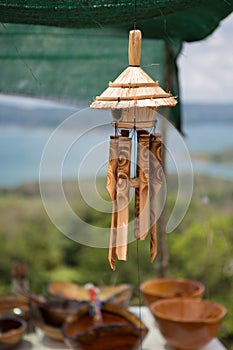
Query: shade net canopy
x=68, y=50
x=186, y=19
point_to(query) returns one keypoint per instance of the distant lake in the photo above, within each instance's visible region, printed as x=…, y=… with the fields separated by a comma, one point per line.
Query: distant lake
x=21, y=149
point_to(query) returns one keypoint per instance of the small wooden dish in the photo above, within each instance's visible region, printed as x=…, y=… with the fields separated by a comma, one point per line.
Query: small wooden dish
x=11, y=332
x=164, y=288
x=120, y=294
x=188, y=324
x=119, y=329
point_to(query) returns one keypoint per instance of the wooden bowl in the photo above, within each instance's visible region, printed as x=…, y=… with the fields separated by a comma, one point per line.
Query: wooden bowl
x=50, y=315
x=54, y=333
x=54, y=312
x=11, y=332
x=188, y=324
x=119, y=329
x=164, y=288
x=120, y=294
x=14, y=306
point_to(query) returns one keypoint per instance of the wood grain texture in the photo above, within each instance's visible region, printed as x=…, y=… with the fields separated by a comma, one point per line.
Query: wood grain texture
x=134, y=48
x=123, y=188
x=137, y=182
x=111, y=187
x=155, y=185
x=142, y=193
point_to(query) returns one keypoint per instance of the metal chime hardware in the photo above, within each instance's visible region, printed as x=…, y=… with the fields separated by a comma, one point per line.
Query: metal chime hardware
x=133, y=99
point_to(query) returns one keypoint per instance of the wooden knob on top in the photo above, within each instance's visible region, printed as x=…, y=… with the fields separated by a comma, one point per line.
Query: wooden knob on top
x=134, y=49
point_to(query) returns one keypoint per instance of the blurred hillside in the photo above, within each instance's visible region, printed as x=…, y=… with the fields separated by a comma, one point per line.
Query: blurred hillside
x=200, y=248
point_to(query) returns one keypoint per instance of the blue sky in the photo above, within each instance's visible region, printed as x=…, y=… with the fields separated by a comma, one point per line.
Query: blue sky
x=206, y=67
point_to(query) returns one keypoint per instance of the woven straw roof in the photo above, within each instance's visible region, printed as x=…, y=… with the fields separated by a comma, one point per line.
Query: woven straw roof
x=133, y=87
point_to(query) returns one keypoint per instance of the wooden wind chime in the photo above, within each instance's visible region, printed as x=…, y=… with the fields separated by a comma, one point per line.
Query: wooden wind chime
x=133, y=99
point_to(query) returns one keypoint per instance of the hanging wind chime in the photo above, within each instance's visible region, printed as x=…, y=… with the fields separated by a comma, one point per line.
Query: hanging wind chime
x=133, y=99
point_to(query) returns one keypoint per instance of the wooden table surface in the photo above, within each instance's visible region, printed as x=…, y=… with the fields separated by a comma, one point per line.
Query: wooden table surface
x=153, y=341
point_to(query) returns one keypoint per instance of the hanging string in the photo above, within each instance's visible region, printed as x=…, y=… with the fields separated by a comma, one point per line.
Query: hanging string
x=135, y=14
x=135, y=174
x=138, y=259
x=135, y=143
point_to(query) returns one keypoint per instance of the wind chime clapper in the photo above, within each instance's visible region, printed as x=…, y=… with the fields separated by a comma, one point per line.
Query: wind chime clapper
x=133, y=99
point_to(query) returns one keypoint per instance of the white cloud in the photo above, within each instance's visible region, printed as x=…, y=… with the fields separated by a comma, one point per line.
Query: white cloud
x=206, y=67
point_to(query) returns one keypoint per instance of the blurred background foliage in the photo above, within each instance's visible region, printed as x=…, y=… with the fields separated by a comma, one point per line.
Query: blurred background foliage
x=200, y=248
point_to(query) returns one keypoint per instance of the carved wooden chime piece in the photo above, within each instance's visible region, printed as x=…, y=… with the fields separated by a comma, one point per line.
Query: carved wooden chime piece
x=147, y=183
x=133, y=99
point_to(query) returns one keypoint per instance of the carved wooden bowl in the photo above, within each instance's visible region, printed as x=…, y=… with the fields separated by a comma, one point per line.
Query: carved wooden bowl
x=14, y=306
x=119, y=294
x=11, y=332
x=119, y=329
x=50, y=315
x=55, y=312
x=164, y=288
x=188, y=324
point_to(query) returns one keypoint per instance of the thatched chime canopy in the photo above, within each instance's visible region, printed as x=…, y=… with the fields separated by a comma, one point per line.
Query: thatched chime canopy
x=134, y=96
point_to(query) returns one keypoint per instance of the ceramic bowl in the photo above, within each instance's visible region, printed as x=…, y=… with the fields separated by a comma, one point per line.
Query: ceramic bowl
x=119, y=294
x=164, y=288
x=11, y=332
x=119, y=329
x=188, y=324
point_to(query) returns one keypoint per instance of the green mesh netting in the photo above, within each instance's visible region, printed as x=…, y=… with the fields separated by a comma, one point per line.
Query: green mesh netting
x=76, y=64
x=73, y=65
x=69, y=64
x=80, y=14
x=185, y=19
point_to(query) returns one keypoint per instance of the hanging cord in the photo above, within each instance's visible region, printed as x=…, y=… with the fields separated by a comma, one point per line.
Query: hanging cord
x=135, y=14
x=138, y=258
x=135, y=142
x=135, y=174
